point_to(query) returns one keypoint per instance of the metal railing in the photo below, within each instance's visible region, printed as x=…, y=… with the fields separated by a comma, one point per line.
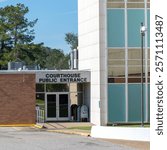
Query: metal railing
x=40, y=115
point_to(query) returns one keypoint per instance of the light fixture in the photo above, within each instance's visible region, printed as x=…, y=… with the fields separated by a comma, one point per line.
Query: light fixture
x=143, y=29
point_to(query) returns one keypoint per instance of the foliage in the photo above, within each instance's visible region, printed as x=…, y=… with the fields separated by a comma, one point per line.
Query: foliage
x=72, y=40
x=16, y=41
x=15, y=31
x=56, y=59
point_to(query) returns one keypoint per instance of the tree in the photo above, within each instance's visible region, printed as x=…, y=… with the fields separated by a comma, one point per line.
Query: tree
x=56, y=59
x=15, y=30
x=45, y=57
x=16, y=41
x=72, y=40
x=32, y=54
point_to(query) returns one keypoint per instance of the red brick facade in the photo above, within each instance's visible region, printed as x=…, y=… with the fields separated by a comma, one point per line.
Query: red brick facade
x=17, y=99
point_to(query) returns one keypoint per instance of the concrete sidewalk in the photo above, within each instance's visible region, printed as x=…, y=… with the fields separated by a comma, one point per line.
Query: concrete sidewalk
x=71, y=128
x=64, y=125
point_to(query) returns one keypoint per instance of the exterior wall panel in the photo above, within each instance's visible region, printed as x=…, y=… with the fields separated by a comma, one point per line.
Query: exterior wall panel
x=17, y=99
x=135, y=17
x=116, y=103
x=124, y=59
x=92, y=54
x=116, y=31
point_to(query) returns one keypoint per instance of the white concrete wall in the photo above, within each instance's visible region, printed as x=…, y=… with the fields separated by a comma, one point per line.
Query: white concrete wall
x=92, y=54
x=121, y=133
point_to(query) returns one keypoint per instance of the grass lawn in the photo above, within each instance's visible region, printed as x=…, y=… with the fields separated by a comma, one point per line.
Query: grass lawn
x=145, y=126
x=40, y=103
x=81, y=128
x=131, y=125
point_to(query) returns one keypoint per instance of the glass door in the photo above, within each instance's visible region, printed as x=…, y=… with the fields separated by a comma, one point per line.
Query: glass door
x=51, y=107
x=63, y=105
x=57, y=107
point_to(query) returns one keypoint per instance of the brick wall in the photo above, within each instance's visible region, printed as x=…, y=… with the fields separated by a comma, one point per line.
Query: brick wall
x=17, y=98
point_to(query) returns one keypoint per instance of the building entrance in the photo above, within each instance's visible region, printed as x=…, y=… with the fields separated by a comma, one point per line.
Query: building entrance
x=57, y=106
x=57, y=91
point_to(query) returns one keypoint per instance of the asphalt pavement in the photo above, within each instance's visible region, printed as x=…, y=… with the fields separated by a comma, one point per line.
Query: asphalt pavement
x=29, y=138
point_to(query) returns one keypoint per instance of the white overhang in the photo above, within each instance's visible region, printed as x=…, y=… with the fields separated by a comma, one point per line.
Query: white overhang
x=55, y=76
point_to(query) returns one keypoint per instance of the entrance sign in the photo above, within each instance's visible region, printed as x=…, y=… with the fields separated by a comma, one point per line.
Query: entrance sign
x=62, y=76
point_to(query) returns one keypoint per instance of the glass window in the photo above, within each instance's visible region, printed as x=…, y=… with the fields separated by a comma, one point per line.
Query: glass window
x=149, y=71
x=40, y=88
x=134, y=63
x=115, y=5
x=40, y=100
x=116, y=63
x=134, y=54
x=148, y=27
x=135, y=17
x=63, y=105
x=135, y=5
x=116, y=103
x=134, y=102
x=134, y=71
x=134, y=80
x=148, y=5
x=116, y=54
x=148, y=77
x=116, y=80
x=136, y=1
x=57, y=88
x=51, y=105
x=118, y=71
x=116, y=34
x=80, y=87
x=115, y=1
x=148, y=62
x=148, y=54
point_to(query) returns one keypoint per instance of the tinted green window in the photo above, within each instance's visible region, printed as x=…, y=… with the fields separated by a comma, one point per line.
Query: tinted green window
x=116, y=28
x=116, y=31
x=135, y=17
x=116, y=103
x=117, y=106
x=148, y=104
x=134, y=102
x=148, y=25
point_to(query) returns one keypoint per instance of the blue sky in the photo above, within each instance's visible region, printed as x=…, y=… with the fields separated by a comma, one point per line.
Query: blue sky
x=55, y=18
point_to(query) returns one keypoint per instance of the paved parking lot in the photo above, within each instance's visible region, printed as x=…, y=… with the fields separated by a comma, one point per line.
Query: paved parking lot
x=12, y=138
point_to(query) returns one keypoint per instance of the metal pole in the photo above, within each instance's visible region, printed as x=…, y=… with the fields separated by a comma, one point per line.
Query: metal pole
x=146, y=61
x=142, y=89
x=126, y=62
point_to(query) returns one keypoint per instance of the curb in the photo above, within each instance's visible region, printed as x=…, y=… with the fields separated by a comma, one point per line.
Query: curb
x=17, y=125
x=70, y=132
x=39, y=126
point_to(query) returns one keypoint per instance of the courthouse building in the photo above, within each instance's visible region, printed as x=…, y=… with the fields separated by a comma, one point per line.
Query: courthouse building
x=108, y=79
x=110, y=46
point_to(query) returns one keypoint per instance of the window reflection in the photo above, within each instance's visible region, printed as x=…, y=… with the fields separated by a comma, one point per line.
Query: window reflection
x=57, y=88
